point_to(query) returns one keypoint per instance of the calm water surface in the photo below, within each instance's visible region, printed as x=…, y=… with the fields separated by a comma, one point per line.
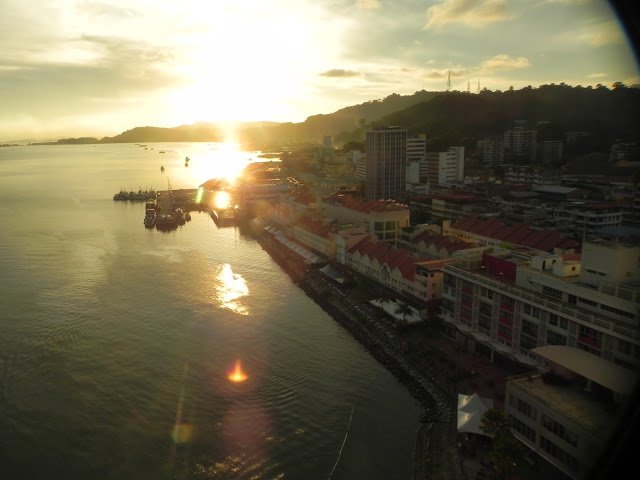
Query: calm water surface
x=111, y=335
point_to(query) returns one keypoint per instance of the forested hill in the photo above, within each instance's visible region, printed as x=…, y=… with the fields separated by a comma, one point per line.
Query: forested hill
x=445, y=117
x=452, y=117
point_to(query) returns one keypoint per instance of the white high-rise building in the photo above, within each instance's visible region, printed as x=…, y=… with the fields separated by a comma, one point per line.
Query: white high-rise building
x=445, y=168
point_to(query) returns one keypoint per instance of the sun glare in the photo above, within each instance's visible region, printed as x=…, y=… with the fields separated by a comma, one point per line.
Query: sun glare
x=237, y=375
x=221, y=200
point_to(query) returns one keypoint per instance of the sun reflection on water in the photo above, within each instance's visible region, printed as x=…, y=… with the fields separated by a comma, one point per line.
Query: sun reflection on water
x=230, y=287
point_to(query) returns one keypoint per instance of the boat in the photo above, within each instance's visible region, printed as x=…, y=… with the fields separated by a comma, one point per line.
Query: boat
x=161, y=151
x=150, y=218
x=162, y=168
x=121, y=195
x=179, y=216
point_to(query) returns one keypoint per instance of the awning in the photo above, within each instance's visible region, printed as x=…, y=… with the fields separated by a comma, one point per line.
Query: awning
x=520, y=357
x=481, y=337
x=500, y=348
x=590, y=366
x=463, y=327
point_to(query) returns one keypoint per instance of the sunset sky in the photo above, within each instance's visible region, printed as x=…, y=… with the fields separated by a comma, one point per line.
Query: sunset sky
x=74, y=68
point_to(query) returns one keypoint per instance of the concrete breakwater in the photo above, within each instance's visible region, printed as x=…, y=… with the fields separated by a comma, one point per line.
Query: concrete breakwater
x=373, y=335
x=435, y=455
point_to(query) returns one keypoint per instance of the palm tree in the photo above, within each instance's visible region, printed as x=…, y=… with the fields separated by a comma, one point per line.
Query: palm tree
x=403, y=309
x=506, y=451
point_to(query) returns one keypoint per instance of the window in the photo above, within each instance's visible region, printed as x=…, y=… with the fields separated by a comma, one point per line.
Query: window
x=484, y=324
x=524, y=408
x=485, y=309
x=552, y=292
x=528, y=342
x=557, y=321
x=558, y=453
x=617, y=311
x=523, y=429
x=559, y=430
x=378, y=226
x=390, y=225
x=529, y=328
x=587, y=302
x=554, y=338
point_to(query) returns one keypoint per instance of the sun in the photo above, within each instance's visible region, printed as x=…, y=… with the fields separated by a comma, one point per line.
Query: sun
x=248, y=62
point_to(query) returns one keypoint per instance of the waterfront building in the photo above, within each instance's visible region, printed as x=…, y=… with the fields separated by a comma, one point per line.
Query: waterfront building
x=289, y=208
x=504, y=303
x=386, y=164
x=446, y=168
x=315, y=235
x=384, y=219
x=397, y=268
x=567, y=414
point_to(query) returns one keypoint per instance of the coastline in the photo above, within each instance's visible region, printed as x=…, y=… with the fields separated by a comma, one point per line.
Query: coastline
x=435, y=453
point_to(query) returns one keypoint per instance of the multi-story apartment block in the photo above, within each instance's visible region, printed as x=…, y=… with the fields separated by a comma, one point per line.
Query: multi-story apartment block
x=551, y=151
x=445, y=168
x=508, y=302
x=447, y=205
x=384, y=219
x=532, y=175
x=492, y=152
x=568, y=413
x=520, y=144
x=386, y=164
x=591, y=218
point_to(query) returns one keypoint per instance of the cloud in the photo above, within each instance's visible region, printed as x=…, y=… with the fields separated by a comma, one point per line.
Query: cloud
x=504, y=62
x=455, y=73
x=608, y=33
x=340, y=73
x=367, y=4
x=473, y=13
x=597, y=75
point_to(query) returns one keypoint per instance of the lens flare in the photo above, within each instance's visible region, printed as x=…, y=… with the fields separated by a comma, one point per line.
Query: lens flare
x=221, y=199
x=237, y=375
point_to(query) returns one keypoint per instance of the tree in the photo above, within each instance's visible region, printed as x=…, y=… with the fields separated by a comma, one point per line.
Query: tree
x=403, y=309
x=506, y=451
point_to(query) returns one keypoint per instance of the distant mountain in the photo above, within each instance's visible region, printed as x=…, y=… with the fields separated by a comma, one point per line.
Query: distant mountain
x=267, y=133
x=445, y=117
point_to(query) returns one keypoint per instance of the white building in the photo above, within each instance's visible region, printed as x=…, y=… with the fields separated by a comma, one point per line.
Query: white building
x=446, y=168
x=567, y=414
x=520, y=144
x=508, y=302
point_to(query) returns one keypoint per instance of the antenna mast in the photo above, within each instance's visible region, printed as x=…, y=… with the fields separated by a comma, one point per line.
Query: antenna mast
x=478, y=85
x=449, y=81
x=468, y=86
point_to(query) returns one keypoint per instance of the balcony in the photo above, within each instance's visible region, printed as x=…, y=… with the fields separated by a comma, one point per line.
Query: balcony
x=543, y=303
x=591, y=342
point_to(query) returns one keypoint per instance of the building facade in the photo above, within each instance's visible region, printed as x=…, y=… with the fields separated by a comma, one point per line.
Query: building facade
x=386, y=164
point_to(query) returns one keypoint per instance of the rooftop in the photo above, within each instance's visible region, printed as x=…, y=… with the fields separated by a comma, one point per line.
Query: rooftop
x=571, y=402
x=364, y=206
